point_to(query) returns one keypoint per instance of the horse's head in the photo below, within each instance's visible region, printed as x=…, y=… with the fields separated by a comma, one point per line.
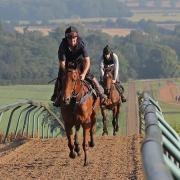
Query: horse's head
x=108, y=78
x=72, y=81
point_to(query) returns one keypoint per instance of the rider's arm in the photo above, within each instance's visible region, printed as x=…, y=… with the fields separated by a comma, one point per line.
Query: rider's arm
x=116, y=66
x=102, y=67
x=61, y=57
x=86, y=61
x=86, y=66
x=62, y=65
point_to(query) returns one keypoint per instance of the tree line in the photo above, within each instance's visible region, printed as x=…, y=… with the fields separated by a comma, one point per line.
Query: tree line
x=32, y=58
x=44, y=10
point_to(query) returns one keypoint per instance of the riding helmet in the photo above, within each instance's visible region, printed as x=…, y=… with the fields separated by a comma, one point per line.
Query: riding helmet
x=71, y=31
x=106, y=50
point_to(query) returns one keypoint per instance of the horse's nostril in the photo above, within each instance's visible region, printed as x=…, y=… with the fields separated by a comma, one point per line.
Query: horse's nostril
x=106, y=91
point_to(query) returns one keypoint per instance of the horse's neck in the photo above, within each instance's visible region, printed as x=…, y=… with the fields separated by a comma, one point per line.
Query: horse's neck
x=113, y=89
x=78, y=86
x=79, y=89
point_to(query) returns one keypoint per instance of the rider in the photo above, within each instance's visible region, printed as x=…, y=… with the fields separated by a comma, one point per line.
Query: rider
x=72, y=49
x=110, y=58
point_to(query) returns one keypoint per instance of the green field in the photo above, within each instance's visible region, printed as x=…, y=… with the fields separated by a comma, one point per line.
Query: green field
x=11, y=94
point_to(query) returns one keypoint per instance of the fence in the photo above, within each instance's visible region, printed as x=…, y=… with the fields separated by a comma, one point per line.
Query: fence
x=28, y=119
x=161, y=147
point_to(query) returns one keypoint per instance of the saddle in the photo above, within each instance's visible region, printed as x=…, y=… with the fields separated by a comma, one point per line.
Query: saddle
x=119, y=88
x=90, y=88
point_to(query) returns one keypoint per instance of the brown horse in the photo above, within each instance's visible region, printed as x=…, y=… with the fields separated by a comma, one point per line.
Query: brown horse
x=79, y=109
x=113, y=100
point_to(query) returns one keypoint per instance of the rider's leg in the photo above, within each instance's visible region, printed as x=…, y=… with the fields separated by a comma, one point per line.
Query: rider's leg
x=99, y=90
x=57, y=90
x=53, y=97
x=121, y=91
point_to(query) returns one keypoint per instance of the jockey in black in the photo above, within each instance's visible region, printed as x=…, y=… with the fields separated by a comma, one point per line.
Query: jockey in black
x=72, y=49
x=109, y=58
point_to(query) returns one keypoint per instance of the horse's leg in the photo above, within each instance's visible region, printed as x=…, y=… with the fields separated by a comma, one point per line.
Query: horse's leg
x=86, y=130
x=76, y=142
x=69, y=134
x=117, y=117
x=105, y=131
x=114, y=123
x=92, y=130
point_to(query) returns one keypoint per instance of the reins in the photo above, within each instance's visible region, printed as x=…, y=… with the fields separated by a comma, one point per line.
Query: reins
x=76, y=94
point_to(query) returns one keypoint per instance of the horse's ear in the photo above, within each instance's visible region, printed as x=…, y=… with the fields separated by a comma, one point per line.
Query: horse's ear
x=72, y=65
x=75, y=65
x=109, y=68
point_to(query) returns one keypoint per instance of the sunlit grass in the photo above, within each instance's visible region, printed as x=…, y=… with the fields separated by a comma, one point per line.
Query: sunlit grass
x=11, y=94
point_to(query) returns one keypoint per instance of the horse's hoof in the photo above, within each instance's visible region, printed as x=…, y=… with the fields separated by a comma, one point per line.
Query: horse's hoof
x=104, y=133
x=117, y=129
x=72, y=155
x=86, y=163
x=77, y=150
x=91, y=144
x=114, y=133
x=79, y=153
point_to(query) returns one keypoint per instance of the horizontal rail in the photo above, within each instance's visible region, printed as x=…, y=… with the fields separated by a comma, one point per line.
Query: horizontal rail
x=152, y=150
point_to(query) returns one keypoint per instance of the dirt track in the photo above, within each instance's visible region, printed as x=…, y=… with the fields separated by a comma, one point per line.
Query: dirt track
x=112, y=158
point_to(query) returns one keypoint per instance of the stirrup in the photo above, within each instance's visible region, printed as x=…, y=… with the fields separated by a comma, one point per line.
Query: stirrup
x=103, y=98
x=56, y=103
x=53, y=97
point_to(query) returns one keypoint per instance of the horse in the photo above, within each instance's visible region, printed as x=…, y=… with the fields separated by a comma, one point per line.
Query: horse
x=113, y=100
x=79, y=109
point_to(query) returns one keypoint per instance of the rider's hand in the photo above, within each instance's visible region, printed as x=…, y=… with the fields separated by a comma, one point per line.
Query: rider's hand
x=82, y=76
x=114, y=81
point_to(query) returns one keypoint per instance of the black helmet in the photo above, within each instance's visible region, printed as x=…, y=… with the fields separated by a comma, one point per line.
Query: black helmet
x=71, y=31
x=106, y=50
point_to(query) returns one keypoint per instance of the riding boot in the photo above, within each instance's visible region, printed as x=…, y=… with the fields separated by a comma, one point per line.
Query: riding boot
x=123, y=98
x=120, y=88
x=57, y=89
x=55, y=93
x=99, y=90
x=57, y=101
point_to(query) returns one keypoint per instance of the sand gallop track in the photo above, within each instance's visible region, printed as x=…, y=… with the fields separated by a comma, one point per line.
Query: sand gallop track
x=111, y=158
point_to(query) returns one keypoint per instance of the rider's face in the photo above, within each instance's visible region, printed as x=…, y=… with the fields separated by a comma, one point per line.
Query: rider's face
x=72, y=41
x=107, y=56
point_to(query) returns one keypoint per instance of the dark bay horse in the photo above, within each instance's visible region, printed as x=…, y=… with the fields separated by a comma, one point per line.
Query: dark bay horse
x=79, y=109
x=113, y=100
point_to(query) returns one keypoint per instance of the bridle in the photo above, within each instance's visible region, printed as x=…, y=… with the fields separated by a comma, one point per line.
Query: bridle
x=107, y=71
x=74, y=93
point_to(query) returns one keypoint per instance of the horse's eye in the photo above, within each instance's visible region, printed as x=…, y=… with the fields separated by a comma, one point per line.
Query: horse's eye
x=74, y=77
